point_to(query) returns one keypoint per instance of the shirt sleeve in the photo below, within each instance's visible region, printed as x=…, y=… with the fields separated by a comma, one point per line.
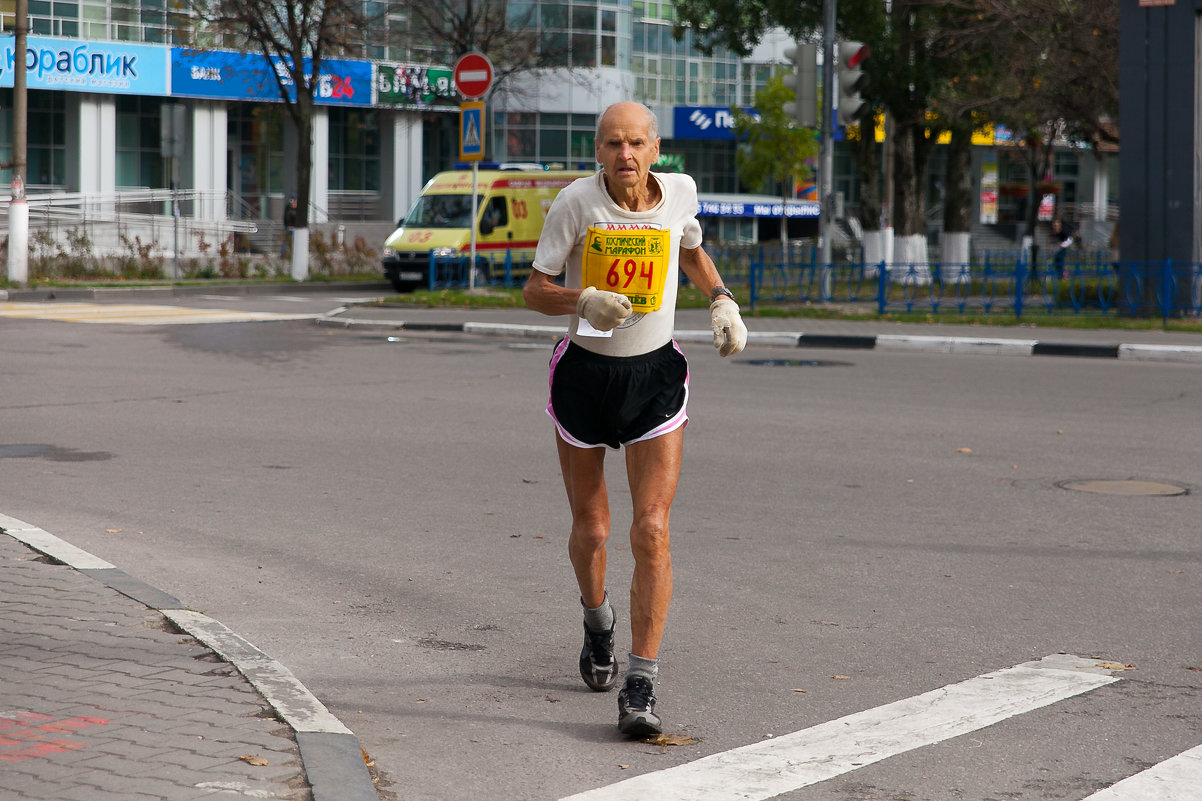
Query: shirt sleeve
x=558, y=236
x=690, y=206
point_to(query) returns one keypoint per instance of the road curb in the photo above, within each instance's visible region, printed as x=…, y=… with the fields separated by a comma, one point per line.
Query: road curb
x=331, y=756
x=883, y=342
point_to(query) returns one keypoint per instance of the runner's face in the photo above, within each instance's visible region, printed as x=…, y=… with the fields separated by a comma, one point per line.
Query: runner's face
x=625, y=149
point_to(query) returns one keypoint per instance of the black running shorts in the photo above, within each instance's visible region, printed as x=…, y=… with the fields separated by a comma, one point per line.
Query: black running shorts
x=611, y=401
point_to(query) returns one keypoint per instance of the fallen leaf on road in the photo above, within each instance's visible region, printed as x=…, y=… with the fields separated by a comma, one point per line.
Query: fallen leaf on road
x=1199, y=669
x=113, y=530
x=841, y=678
x=1114, y=666
x=798, y=691
x=552, y=699
x=670, y=739
x=963, y=450
x=251, y=759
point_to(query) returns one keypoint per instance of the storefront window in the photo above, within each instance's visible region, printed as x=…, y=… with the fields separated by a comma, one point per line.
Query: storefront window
x=354, y=151
x=139, y=143
x=256, y=155
x=46, y=149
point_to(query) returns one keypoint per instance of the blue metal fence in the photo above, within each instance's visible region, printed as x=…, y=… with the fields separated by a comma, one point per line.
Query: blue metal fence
x=1003, y=283
x=1000, y=282
x=1076, y=286
x=494, y=269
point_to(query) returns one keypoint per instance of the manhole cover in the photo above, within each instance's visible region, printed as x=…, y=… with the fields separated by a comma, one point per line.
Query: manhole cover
x=1123, y=487
x=794, y=363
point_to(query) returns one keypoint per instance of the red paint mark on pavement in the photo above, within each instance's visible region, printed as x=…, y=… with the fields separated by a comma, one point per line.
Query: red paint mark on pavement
x=29, y=735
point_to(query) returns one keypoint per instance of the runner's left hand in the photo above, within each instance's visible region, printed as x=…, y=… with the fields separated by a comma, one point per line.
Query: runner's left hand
x=730, y=335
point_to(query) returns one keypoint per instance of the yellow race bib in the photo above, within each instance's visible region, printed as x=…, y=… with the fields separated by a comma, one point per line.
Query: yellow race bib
x=633, y=263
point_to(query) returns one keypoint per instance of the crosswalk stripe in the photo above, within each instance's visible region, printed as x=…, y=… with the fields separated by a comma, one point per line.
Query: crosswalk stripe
x=136, y=314
x=1175, y=779
x=768, y=769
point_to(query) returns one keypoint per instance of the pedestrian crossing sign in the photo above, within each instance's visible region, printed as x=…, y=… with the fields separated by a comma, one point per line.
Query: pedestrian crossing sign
x=471, y=131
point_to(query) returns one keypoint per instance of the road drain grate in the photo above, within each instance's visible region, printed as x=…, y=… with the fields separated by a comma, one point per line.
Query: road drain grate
x=1123, y=487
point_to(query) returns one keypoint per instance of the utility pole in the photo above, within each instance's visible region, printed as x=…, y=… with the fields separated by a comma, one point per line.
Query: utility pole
x=18, y=208
x=826, y=165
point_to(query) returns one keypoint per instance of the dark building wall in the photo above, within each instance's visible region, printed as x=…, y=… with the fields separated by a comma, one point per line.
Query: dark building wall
x=1157, y=118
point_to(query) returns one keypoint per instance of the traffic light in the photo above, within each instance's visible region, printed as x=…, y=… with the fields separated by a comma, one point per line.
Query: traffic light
x=803, y=80
x=852, y=79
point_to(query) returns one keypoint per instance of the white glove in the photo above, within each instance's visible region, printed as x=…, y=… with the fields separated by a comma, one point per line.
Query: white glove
x=604, y=310
x=730, y=335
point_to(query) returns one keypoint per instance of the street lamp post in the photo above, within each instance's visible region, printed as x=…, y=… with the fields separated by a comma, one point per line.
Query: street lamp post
x=827, y=151
x=18, y=208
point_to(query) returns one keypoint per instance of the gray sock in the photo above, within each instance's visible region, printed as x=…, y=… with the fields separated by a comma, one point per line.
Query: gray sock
x=601, y=618
x=638, y=666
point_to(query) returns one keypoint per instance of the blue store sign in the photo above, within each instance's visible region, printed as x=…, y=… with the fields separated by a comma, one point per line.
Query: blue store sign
x=705, y=122
x=758, y=208
x=227, y=75
x=78, y=66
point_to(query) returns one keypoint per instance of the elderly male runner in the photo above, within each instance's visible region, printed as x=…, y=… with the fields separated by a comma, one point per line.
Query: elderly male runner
x=619, y=379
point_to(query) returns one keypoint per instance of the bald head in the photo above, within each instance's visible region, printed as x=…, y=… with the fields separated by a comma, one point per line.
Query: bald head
x=630, y=110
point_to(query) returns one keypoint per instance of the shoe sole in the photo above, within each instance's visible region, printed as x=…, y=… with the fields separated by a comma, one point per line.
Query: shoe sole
x=641, y=726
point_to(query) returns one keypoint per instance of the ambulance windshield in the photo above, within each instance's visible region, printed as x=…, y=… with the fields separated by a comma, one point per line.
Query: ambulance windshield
x=441, y=211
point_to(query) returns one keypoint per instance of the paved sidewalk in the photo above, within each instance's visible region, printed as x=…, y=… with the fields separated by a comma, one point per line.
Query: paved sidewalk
x=103, y=698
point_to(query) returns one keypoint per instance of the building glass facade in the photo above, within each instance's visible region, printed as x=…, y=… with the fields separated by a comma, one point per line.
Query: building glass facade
x=139, y=143
x=46, y=152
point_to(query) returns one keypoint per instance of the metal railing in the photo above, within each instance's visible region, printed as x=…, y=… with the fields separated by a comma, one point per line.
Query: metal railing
x=163, y=220
x=1003, y=283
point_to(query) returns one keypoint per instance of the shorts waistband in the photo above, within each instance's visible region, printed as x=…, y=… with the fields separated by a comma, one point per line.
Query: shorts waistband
x=639, y=358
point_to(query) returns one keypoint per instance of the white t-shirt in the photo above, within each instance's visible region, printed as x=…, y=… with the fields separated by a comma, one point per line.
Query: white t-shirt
x=586, y=204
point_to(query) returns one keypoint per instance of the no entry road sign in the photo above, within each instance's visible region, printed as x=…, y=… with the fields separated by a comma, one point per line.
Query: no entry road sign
x=473, y=74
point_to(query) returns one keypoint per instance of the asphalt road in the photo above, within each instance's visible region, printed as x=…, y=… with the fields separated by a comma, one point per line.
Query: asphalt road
x=382, y=513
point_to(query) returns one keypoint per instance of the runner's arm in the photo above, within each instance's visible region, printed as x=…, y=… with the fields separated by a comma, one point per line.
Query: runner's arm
x=542, y=294
x=700, y=269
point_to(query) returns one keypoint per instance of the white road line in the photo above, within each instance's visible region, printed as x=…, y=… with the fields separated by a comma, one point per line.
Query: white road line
x=770, y=768
x=136, y=314
x=1175, y=779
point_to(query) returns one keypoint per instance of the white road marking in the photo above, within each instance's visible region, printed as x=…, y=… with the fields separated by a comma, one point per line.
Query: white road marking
x=768, y=769
x=137, y=314
x=1175, y=779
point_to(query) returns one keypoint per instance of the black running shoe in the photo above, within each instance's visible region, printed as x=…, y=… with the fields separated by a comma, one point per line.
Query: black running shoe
x=636, y=709
x=598, y=667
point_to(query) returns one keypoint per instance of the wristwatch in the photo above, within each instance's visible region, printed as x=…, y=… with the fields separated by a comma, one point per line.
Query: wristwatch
x=720, y=290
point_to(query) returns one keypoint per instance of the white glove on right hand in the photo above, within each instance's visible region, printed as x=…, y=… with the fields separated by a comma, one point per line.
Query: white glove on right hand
x=730, y=335
x=604, y=310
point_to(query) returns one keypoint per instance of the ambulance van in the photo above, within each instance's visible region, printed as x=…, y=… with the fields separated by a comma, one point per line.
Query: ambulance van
x=511, y=206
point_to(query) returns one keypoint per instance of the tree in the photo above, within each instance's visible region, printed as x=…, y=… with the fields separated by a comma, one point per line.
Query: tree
x=1063, y=84
x=295, y=37
x=510, y=41
x=771, y=147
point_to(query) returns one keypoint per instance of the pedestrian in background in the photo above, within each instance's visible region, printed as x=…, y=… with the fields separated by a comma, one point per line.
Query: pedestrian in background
x=291, y=218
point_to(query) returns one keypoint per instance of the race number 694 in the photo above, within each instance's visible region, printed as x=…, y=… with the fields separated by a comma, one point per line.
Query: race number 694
x=630, y=269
